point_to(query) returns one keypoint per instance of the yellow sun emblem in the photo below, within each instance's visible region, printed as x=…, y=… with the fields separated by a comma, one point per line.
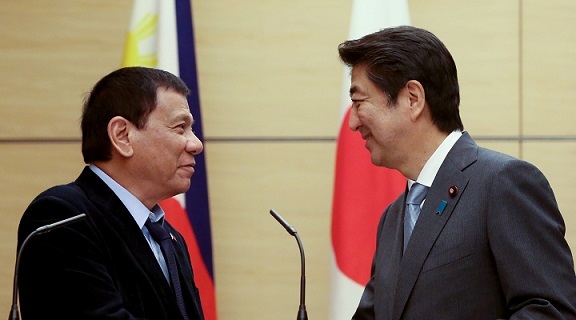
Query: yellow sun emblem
x=140, y=49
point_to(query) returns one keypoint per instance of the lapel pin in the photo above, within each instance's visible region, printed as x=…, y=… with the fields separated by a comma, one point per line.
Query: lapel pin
x=453, y=191
x=173, y=238
x=441, y=208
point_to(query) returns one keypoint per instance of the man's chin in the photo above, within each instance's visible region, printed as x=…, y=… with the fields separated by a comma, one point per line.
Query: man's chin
x=376, y=160
x=182, y=187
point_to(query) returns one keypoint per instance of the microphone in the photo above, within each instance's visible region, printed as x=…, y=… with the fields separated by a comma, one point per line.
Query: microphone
x=302, y=314
x=14, y=313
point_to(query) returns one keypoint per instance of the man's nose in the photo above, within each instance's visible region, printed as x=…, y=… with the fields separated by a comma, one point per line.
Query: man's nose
x=194, y=145
x=353, y=120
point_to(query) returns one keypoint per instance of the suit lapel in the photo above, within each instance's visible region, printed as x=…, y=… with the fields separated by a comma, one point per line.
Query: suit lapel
x=389, y=253
x=433, y=218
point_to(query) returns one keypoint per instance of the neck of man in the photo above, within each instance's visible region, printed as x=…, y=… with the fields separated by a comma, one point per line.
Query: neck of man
x=424, y=143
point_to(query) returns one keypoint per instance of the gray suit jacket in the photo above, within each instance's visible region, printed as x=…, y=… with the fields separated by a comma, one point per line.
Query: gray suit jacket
x=497, y=250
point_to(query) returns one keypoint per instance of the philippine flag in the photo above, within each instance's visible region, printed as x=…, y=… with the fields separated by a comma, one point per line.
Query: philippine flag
x=161, y=35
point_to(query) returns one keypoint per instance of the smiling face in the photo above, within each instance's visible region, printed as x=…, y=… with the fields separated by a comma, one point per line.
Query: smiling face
x=164, y=148
x=382, y=125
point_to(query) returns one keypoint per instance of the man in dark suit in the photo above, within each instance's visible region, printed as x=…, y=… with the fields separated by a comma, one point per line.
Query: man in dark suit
x=477, y=234
x=138, y=142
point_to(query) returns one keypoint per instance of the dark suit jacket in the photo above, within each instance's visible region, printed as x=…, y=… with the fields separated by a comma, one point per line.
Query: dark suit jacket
x=496, y=251
x=99, y=268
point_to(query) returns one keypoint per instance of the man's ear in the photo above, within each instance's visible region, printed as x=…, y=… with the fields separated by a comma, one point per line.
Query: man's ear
x=119, y=133
x=417, y=98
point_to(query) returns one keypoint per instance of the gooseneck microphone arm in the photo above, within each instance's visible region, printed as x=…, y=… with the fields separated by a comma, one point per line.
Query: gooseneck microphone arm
x=302, y=314
x=14, y=313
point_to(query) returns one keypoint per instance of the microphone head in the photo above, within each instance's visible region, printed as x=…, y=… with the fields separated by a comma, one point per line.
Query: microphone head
x=59, y=224
x=283, y=222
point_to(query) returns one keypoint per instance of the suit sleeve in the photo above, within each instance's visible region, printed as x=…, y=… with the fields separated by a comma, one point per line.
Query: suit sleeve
x=63, y=273
x=526, y=234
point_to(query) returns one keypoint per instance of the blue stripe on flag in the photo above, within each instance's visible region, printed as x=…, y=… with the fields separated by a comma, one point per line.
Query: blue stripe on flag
x=197, y=196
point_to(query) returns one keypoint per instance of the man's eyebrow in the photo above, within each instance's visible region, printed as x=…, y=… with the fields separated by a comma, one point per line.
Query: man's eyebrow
x=353, y=89
x=186, y=118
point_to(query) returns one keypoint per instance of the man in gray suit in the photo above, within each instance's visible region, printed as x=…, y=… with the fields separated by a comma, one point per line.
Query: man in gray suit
x=477, y=234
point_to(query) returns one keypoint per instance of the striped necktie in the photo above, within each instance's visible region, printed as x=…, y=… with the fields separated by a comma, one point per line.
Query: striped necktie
x=414, y=199
x=164, y=238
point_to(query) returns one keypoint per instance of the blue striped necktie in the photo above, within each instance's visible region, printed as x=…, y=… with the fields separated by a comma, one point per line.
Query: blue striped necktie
x=414, y=199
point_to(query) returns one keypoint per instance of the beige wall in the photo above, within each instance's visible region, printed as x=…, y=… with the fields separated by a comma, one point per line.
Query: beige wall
x=269, y=69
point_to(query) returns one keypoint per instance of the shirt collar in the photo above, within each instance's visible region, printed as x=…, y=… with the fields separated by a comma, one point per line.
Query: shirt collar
x=136, y=208
x=430, y=169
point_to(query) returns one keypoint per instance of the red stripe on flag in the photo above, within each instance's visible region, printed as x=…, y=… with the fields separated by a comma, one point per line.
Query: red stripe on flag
x=177, y=216
x=361, y=193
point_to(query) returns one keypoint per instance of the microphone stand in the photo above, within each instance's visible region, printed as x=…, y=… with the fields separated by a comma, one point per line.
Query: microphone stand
x=302, y=314
x=14, y=312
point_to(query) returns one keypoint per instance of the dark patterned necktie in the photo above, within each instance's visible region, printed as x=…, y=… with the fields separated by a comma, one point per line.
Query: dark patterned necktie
x=164, y=239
